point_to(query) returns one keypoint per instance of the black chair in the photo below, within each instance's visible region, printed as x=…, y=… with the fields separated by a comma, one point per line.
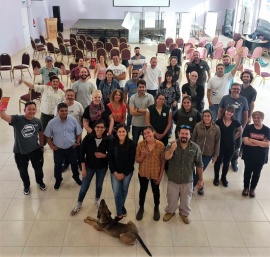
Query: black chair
x=5, y=64
x=24, y=66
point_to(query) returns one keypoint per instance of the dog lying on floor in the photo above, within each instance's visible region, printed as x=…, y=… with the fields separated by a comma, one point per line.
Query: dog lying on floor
x=127, y=233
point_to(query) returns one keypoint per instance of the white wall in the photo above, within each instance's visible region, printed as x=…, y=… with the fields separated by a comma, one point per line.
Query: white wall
x=11, y=30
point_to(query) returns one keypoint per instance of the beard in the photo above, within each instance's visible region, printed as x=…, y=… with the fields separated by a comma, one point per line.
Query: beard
x=183, y=140
x=137, y=54
x=83, y=76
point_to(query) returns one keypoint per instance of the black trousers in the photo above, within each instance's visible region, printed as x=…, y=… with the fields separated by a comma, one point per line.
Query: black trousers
x=252, y=173
x=143, y=190
x=36, y=158
x=238, y=143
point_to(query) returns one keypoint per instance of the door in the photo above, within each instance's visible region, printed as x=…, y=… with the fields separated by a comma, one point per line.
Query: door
x=25, y=24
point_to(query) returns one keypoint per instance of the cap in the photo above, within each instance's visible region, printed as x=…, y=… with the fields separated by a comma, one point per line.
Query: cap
x=48, y=58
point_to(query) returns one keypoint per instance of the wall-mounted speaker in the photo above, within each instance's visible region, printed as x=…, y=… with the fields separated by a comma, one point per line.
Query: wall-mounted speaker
x=56, y=13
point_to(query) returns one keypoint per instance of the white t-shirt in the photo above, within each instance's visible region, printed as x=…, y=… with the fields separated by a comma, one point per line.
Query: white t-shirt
x=219, y=87
x=151, y=77
x=83, y=92
x=117, y=71
x=75, y=110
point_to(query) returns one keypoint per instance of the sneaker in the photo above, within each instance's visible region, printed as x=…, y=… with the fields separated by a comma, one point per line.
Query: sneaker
x=235, y=167
x=184, y=218
x=156, y=216
x=78, y=181
x=216, y=182
x=118, y=218
x=245, y=191
x=57, y=184
x=139, y=214
x=42, y=186
x=201, y=191
x=97, y=202
x=252, y=193
x=224, y=182
x=124, y=211
x=168, y=216
x=76, y=209
x=26, y=190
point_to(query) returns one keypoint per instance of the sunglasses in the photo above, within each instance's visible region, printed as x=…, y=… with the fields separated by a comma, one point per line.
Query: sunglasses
x=185, y=127
x=134, y=73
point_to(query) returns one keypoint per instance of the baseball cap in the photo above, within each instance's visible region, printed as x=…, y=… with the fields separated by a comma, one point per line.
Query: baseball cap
x=48, y=58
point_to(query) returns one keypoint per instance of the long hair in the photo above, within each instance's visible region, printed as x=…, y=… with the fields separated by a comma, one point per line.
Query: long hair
x=232, y=109
x=115, y=91
x=168, y=73
x=106, y=65
x=116, y=138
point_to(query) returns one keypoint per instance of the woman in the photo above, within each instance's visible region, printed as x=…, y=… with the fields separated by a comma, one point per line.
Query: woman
x=206, y=134
x=118, y=107
x=94, y=150
x=121, y=163
x=107, y=86
x=100, y=70
x=227, y=124
x=175, y=69
x=170, y=89
x=95, y=111
x=255, y=152
x=186, y=115
x=150, y=156
x=159, y=116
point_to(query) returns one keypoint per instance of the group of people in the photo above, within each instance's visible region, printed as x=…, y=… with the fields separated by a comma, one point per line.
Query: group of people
x=150, y=106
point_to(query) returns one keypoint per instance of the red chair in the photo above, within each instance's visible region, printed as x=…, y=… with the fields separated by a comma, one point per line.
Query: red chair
x=73, y=36
x=172, y=47
x=53, y=50
x=64, y=52
x=231, y=52
x=89, y=38
x=30, y=96
x=24, y=66
x=37, y=50
x=123, y=46
x=42, y=40
x=239, y=44
x=218, y=54
x=114, y=41
x=99, y=44
x=192, y=41
x=101, y=51
x=125, y=54
x=61, y=41
x=168, y=41
x=89, y=47
x=83, y=38
x=108, y=47
x=180, y=42
x=203, y=52
x=161, y=49
x=61, y=35
x=236, y=36
x=79, y=55
x=257, y=53
x=5, y=64
x=214, y=41
x=114, y=52
x=202, y=42
x=263, y=75
x=187, y=47
x=81, y=45
x=218, y=45
x=73, y=42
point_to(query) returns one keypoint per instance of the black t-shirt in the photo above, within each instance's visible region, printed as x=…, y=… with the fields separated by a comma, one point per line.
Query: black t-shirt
x=227, y=133
x=104, y=116
x=256, y=154
x=201, y=68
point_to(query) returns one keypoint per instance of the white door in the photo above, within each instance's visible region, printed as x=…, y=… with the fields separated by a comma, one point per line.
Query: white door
x=211, y=24
x=25, y=24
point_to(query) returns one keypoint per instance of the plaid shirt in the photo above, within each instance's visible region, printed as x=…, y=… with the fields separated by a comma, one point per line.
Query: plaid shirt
x=151, y=164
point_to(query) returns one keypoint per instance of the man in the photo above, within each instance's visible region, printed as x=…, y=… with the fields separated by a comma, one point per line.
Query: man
x=133, y=59
x=228, y=66
x=83, y=88
x=218, y=86
x=195, y=90
x=28, y=145
x=200, y=66
x=138, y=104
x=130, y=90
x=248, y=91
x=241, y=114
x=64, y=134
x=44, y=71
x=152, y=76
x=75, y=72
x=183, y=155
x=51, y=97
x=119, y=71
x=255, y=152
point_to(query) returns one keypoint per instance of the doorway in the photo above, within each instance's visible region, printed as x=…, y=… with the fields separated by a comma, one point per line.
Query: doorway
x=25, y=24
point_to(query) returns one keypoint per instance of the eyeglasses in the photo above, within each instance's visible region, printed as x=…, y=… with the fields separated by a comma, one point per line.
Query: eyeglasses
x=100, y=127
x=185, y=127
x=135, y=73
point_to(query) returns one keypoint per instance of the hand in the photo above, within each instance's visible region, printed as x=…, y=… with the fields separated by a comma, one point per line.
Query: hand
x=157, y=182
x=118, y=176
x=174, y=145
x=199, y=184
x=84, y=173
x=183, y=95
x=214, y=159
x=249, y=120
x=210, y=103
x=99, y=155
x=241, y=52
x=144, y=152
x=174, y=104
x=158, y=136
x=55, y=148
x=63, y=70
x=74, y=145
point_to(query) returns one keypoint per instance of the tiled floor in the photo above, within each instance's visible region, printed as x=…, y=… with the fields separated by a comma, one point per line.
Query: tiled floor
x=223, y=223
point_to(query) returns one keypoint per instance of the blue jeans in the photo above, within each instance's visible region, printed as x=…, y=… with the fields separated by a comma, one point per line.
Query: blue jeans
x=214, y=110
x=120, y=190
x=174, y=110
x=136, y=132
x=129, y=119
x=100, y=175
x=205, y=160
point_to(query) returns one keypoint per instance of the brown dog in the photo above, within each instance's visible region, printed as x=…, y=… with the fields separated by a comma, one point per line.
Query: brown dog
x=128, y=233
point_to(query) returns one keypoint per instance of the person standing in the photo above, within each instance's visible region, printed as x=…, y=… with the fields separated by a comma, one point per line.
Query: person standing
x=138, y=104
x=28, y=145
x=119, y=71
x=255, y=152
x=219, y=85
x=230, y=130
x=195, y=90
x=241, y=114
x=94, y=150
x=152, y=76
x=100, y=70
x=133, y=59
x=130, y=90
x=64, y=134
x=75, y=72
x=206, y=135
x=184, y=155
x=175, y=69
x=121, y=163
x=83, y=88
x=159, y=116
x=150, y=156
x=201, y=67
